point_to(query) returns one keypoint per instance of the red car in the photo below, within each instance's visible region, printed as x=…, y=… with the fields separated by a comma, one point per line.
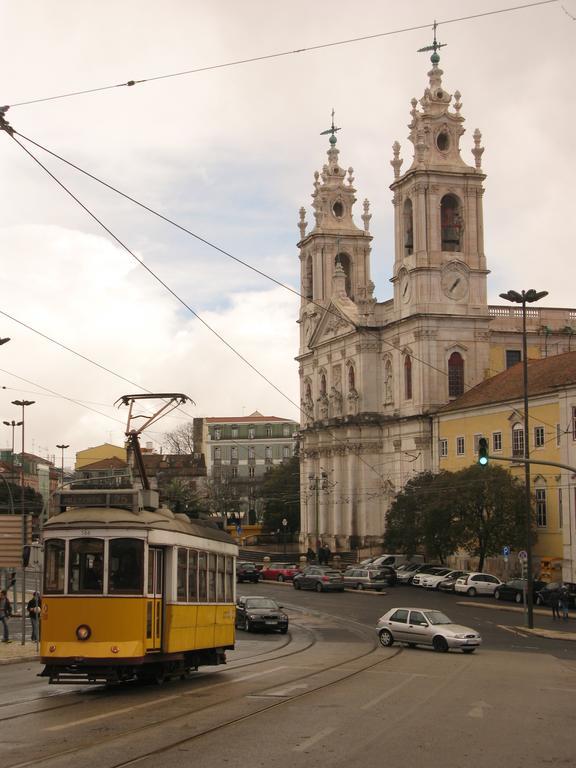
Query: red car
x=279, y=572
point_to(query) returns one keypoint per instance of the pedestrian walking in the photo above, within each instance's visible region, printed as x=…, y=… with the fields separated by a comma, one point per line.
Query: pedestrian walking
x=5, y=613
x=310, y=556
x=555, y=604
x=564, y=599
x=34, y=608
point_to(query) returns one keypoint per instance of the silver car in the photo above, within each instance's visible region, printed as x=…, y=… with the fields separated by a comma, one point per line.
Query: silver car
x=421, y=626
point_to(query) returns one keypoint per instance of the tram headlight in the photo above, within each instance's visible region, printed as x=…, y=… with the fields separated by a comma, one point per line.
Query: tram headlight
x=83, y=632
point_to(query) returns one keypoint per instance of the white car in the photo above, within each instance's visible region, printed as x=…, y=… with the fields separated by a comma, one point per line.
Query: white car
x=433, y=570
x=477, y=584
x=422, y=626
x=432, y=580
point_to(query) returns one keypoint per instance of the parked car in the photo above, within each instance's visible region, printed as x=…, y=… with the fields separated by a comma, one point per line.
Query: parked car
x=405, y=572
x=247, y=572
x=428, y=571
x=394, y=560
x=422, y=626
x=477, y=584
x=448, y=582
x=369, y=578
x=320, y=578
x=387, y=572
x=433, y=580
x=260, y=613
x=514, y=590
x=280, y=572
x=544, y=594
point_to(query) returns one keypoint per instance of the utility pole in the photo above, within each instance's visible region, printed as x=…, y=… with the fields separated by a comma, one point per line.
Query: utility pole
x=23, y=404
x=12, y=424
x=62, y=447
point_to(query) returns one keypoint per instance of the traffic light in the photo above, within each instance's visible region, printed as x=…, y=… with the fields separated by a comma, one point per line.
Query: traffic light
x=483, y=451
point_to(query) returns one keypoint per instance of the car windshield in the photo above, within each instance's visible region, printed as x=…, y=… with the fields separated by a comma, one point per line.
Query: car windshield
x=261, y=602
x=441, y=572
x=437, y=617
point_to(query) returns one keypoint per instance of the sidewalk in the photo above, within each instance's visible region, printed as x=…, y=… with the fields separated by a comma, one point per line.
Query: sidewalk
x=15, y=651
x=565, y=629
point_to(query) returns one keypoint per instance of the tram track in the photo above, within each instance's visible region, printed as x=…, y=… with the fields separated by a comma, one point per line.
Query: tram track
x=178, y=719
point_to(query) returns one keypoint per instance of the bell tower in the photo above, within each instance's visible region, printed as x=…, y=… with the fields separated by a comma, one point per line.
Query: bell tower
x=439, y=265
x=335, y=254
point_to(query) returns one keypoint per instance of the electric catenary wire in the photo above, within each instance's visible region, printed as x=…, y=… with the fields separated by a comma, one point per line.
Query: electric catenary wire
x=281, y=54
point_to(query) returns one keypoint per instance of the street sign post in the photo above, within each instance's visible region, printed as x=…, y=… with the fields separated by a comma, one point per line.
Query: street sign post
x=506, y=551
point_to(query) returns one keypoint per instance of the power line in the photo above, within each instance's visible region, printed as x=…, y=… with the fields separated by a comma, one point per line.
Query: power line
x=277, y=55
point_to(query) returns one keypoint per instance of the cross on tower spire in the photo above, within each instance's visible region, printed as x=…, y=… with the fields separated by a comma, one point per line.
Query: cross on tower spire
x=332, y=130
x=435, y=58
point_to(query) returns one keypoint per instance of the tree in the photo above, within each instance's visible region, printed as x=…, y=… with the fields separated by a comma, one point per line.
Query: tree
x=181, y=440
x=11, y=500
x=421, y=518
x=491, y=507
x=182, y=496
x=280, y=493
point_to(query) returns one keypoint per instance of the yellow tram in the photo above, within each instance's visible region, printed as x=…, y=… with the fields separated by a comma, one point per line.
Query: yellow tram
x=131, y=591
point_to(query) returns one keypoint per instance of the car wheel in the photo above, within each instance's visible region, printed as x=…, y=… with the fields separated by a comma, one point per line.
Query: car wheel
x=518, y=598
x=468, y=650
x=472, y=591
x=439, y=644
x=386, y=638
x=283, y=630
x=247, y=626
x=280, y=577
x=359, y=586
x=296, y=584
x=319, y=587
x=497, y=594
x=539, y=600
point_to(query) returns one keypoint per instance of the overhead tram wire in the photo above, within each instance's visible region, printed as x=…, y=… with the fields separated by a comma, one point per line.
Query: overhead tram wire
x=281, y=54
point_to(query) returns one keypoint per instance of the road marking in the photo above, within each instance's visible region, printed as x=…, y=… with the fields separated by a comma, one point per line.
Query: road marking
x=155, y=702
x=387, y=693
x=564, y=690
x=478, y=709
x=307, y=743
x=511, y=629
x=286, y=691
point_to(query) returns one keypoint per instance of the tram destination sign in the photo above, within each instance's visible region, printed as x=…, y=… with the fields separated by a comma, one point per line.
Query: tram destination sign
x=100, y=499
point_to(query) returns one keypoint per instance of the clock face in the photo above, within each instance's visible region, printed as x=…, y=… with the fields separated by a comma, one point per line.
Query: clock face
x=455, y=281
x=405, y=285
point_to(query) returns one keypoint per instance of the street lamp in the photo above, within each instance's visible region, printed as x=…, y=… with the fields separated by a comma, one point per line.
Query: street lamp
x=523, y=298
x=23, y=404
x=12, y=424
x=62, y=447
x=3, y=341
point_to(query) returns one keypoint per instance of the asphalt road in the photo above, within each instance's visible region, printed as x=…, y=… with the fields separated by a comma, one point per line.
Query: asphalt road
x=501, y=624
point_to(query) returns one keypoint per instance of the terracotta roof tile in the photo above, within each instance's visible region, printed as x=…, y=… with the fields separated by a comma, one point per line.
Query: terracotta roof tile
x=545, y=375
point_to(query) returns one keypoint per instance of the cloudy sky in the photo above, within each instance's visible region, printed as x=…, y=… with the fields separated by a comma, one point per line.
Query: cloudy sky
x=229, y=153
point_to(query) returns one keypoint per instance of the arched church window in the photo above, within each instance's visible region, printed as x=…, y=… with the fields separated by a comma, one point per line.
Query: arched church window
x=344, y=261
x=308, y=280
x=407, y=378
x=308, y=392
x=408, y=227
x=451, y=223
x=351, y=379
x=388, y=389
x=323, y=384
x=455, y=375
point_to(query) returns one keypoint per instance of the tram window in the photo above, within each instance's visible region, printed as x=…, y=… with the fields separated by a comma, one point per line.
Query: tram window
x=229, y=579
x=54, y=566
x=202, y=584
x=220, y=580
x=181, y=576
x=211, y=578
x=126, y=566
x=86, y=566
x=192, y=576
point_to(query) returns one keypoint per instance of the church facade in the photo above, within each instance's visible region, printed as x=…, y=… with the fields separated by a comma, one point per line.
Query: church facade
x=372, y=374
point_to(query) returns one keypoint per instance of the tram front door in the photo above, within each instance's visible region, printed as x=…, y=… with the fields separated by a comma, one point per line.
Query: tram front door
x=154, y=603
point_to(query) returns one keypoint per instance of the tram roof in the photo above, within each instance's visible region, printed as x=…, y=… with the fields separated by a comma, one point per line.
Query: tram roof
x=163, y=519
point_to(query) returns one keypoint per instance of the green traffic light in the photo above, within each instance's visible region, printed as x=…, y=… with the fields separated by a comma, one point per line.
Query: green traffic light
x=483, y=451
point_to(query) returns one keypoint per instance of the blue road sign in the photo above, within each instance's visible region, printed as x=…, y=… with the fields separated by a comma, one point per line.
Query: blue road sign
x=506, y=551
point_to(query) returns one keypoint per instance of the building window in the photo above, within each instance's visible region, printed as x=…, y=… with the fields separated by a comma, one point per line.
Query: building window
x=541, y=521
x=251, y=433
x=573, y=423
x=309, y=279
x=460, y=446
x=517, y=440
x=234, y=433
x=217, y=433
x=234, y=454
x=496, y=441
x=408, y=228
x=407, y=378
x=351, y=379
x=285, y=451
x=251, y=454
x=538, y=437
x=251, y=471
x=234, y=471
x=450, y=223
x=217, y=454
x=443, y=448
x=388, y=382
x=513, y=356
x=476, y=442
x=268, y=430
x=268, y=455
x=286, y=430
x=455, y=375
x=560, y=509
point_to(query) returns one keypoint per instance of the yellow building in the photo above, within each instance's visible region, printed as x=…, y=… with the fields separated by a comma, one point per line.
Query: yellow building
x=98, y=453
x=495, y=410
